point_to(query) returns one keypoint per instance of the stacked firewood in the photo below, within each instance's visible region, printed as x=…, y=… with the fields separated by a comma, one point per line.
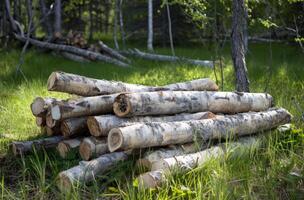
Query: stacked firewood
x=170, y=124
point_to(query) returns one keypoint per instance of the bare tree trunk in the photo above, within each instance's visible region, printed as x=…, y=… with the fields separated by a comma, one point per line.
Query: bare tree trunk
x=122, y=31
x=170, y=28
x=11, y=19
x=174, y=102
x=57, y=22
x=47, y=24
x=116, y=13
x=91, y=21
x=16, y=10
x=107, y=15
x=150, y=26
x=238, y=45
x=101, y=125
x=29, y=7
x=112, y=52
x=165, y=133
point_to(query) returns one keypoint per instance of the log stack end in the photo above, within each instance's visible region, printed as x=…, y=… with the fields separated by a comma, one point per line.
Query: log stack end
x=51, y=83
x=115, y=140
x=38, y=106
x=94, y=127
x=122, y=105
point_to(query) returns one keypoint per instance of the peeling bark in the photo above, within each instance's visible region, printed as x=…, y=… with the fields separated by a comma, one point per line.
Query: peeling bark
x=173, y=102
x=69, y=148
x=83, y=86
x=86, y=171
x=92, y=147
x=23, y=147
x=74, y=126
x=101, y=125
x=161, y=134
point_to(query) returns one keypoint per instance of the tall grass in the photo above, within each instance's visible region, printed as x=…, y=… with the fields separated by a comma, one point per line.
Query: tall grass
x=274, y=171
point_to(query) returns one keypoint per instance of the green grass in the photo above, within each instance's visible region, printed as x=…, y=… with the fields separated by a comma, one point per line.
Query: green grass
x=274, y=171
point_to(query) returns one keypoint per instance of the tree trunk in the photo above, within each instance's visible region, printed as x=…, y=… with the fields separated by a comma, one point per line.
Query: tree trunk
x=163, y=167
x=238, y=46
x=74, y=57
x=112, y=52
x=107, y=10
x=83, y=107
x=69, y=148
x=29, y=7
x=170, y=28
x=150, y=26
x=101, y=125
x=57, y=20
x=166, y=58
x=74, y=126
x=83, y=86
x=10, y=18
x=86, y=171
x=161, y=134
x=16, y=10
x=21, y=148
x=91, y=21
x=74, y=50
x=45, y=15
x=39, y=106
x=174, y=150
x=174, y=102
x=116, y=13
x=122, y=31
x=92, y=147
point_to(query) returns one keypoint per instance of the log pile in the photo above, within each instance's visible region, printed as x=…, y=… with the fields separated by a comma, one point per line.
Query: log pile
x=172, y=124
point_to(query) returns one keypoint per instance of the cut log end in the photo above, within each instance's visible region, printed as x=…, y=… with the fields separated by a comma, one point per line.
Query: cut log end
x=115, y=140
x=122, y=105
x=64, y=183
x=55, y=111
x=150, y=179
x=51, y=83
x=144, y=163
x=40, y=121
x=37, y=107
x=65, y=129
x=85, y=150
x=94, y=127
x=15, y=149
x=63, y=149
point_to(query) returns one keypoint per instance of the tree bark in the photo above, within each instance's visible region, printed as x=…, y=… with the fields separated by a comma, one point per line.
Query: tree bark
x=10, y=18
x=74, y=50
x=116, y=13
x=39, y=106
x=170, y=28
x=74, y=126
x=50, y=122
x=161, y=134
x=91, y=21
x=86, y=171
x=40, y=121
x=174, y=102
x=166, y=58
x=121, y=24
x=150, y=26
x=69, y=148
x=74, y=57
x=52, y=131
x=92, y=147
x=82, y=107
x=238, y=45
x=45, y=15
x=83, y=86
x=174, y=150
x=57, y=20
x=112, y=52
x=163, y=167
x=23, y=147
x=29, y=7
x=101, y=125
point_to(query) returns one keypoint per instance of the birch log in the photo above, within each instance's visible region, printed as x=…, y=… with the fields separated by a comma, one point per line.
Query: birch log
x=40, y=105
x=53, y=131
x=112, y=52
x=74, y=126
x=92, y=147
x=40, y=121
x=101, y=125
x=174, y=150
x=161, y=134
x=86, y=171
x=173, y=102
x=23, y=147
x=50, y=122
x=69, y=148
x=84, y=86
x=163, y=167
x=81, y=107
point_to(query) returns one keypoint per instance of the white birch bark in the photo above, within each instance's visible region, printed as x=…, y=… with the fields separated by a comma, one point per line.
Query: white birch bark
x=173, y=102
x=150, y=26
x=101, y=125
x=165, y=133
x=92, y=147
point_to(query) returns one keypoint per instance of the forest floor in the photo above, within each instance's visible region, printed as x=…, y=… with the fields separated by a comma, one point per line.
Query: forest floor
x=274, y=171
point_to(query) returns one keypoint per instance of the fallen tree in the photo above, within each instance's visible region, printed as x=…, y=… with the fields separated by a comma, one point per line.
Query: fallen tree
x=86, y=171
x=92, y=147
x=23, y=147
x=69, y=148
x=74, y=57
x=101, y=125
x=166, y=58
x=112, y=52
x=173, y=102
x=84, y=86
x=165, y=133
x=74, y=126
x=74, y=50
